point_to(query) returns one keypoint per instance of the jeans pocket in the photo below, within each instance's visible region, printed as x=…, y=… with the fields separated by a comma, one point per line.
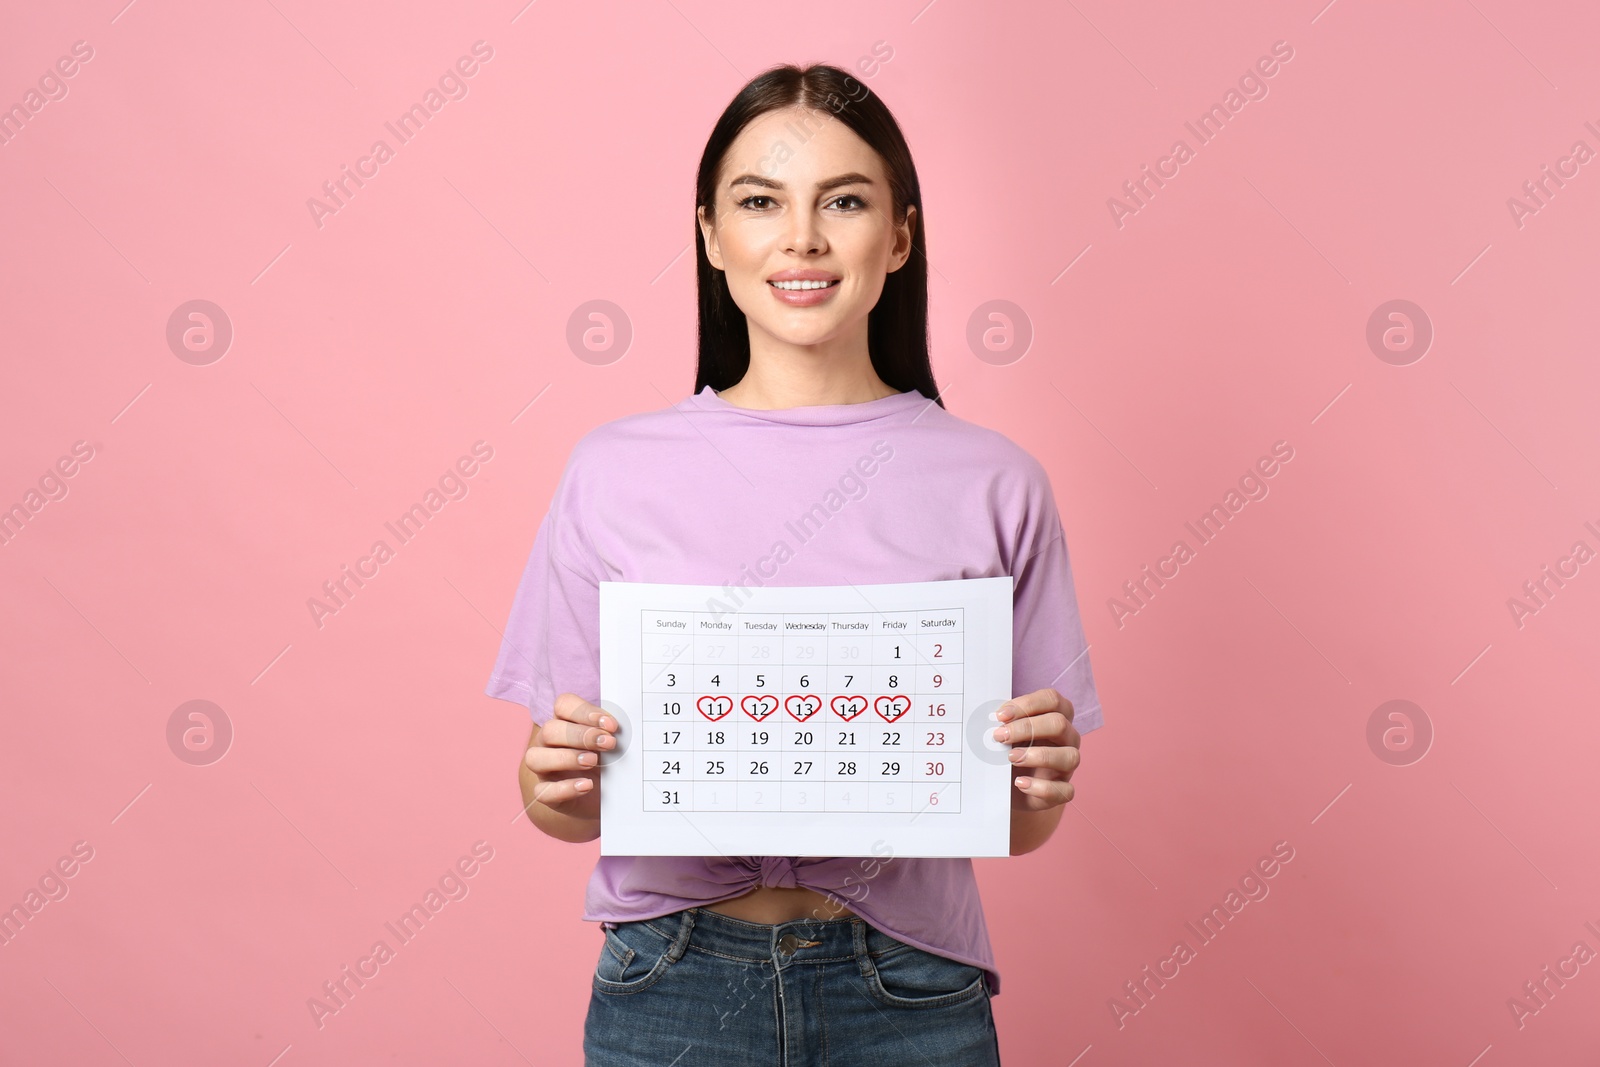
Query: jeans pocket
x=905, y=976
x=633, y=957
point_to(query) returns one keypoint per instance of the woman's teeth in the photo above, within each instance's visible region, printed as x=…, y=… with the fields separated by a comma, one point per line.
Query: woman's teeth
x=803, y=285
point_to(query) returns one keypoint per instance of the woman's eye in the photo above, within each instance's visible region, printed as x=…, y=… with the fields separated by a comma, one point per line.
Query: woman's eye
x=852, y=202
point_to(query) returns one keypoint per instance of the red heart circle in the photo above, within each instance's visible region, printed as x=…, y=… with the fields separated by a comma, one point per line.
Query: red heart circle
x=853, y=706
x=898, y=706
x=714, y=707
x=763, y=706
x=802, y=706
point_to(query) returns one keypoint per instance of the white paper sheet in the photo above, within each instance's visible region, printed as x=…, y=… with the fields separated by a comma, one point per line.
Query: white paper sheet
x=806, y=720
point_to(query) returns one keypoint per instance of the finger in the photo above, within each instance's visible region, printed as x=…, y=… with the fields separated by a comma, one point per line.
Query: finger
x=542, y=760
x=561, y=791
x=1048, y=726
x=572, y=708
x=1040, y=700
x=1058, y=758
x=559, y=733
x=1048, y=790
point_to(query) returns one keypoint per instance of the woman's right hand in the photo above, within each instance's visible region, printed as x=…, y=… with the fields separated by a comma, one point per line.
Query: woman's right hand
x=563, y=758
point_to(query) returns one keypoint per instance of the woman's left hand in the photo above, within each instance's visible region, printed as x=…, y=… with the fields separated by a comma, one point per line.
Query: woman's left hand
x=1044, y=750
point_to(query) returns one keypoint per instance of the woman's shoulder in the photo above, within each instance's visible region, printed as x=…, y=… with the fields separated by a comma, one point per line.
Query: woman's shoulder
x=618, y=440
x=990, y=450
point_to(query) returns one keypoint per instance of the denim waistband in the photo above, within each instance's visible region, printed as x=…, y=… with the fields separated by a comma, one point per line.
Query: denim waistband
x=803, y=940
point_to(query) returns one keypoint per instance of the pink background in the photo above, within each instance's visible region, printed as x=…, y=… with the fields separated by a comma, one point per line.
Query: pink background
x=1227, y=314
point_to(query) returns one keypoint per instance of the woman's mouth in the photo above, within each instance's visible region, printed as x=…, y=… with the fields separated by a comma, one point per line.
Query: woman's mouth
x=803, y=293
x=804, y=285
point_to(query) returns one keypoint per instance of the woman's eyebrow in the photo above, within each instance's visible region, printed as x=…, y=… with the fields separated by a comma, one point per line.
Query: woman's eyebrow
x=852, y=178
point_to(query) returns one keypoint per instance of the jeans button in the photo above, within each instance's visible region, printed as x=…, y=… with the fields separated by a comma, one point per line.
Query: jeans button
x=787, y=944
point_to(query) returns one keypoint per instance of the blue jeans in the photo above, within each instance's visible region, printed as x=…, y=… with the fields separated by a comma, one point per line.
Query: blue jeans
x=700, y=988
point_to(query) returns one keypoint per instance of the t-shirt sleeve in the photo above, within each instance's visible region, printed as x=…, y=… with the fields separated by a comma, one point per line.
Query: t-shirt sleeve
x=1049, y=649
x=550, y=644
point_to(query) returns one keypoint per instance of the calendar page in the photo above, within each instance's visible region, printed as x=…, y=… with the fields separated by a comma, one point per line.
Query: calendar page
x=806, y=721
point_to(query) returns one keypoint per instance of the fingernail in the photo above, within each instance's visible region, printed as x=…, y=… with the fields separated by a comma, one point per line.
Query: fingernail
x=605, y=741
x=1023, y=783
x=584, y=785
x=1007, y=712
x=1002, y=734
x=1016, y=755
x=586, y=759
x=607, y=723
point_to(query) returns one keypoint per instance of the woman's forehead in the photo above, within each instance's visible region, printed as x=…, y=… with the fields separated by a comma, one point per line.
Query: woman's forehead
x=799, y=146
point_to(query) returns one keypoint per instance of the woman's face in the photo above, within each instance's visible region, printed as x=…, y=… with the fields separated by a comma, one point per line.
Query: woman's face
x=800, y=195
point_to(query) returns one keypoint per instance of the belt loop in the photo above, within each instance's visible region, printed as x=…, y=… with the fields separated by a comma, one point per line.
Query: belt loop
x=680, y=945
x=858, y=938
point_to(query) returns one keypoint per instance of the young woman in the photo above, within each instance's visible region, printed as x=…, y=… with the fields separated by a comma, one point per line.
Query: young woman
x=815, y=451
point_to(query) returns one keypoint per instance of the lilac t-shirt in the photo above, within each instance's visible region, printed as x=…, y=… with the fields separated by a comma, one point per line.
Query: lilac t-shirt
x=705, y=492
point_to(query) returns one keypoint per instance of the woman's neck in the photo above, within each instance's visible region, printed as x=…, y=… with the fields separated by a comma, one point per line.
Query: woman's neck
x=766, y=390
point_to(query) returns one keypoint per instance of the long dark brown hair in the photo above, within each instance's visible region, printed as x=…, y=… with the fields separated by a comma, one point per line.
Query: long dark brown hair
x=897, y=327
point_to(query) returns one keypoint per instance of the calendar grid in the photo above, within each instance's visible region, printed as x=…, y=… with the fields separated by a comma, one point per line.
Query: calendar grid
x=802, y=711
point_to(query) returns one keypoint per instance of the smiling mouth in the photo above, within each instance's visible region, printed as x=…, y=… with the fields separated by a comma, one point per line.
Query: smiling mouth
x=800, y=287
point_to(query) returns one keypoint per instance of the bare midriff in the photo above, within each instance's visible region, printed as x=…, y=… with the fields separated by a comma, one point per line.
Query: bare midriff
x=771, y=904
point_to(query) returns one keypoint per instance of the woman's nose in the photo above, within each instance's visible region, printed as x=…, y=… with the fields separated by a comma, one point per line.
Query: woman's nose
x=802, y=234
